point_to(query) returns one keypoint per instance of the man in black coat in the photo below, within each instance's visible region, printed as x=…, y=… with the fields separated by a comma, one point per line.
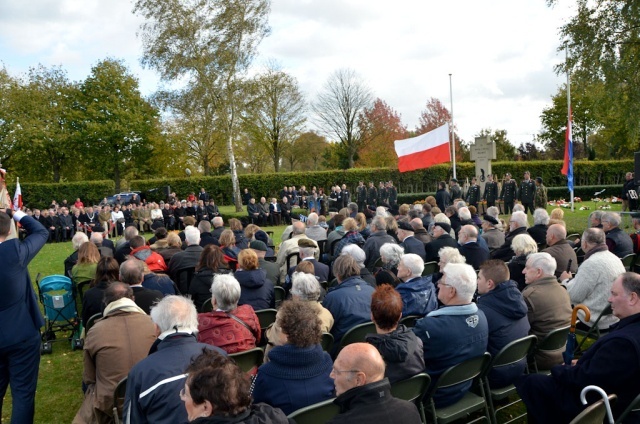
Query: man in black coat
x=188, y=258
x=517, y=225
x=443, y=198
x=441, y=238
x=307, y=249
x=375, y=241
x=132, y=273
x=469, y=247
x=408, y=241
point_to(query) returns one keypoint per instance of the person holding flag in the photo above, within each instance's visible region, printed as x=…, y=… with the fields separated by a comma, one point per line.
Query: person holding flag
x=6, y=203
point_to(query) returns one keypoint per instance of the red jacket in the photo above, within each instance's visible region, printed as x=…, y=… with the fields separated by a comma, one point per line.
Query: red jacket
x=218, y=329
x=154, y=260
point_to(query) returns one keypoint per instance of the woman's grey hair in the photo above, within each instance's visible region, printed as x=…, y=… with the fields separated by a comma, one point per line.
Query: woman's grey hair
x=518, y=208
x=463, y=278
x=540, y=217
x=612, y=218
x=542, y=261
x=175, y=312
x=451, y=255
x=521, y=218
x=226, y=291
x=355, y=252
x=381, y=211
x=464, y=213
x=78, y=240
x=524, y=244
x=442, y=218
x=391, y=253
x=494, y=212
x=305, y=286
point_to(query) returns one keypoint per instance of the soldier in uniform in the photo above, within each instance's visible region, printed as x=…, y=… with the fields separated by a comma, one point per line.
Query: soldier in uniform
x=393, y=195
x=473, y=194
x=508, y=193
x=362, y=196
x=490, y=191
x=382, y=195
x=346, y=195
x=527, y=192
x=454, y=190
x=540, y=200
x=372, y=195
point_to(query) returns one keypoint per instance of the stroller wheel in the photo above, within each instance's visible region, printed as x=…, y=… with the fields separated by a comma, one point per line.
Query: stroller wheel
x=46, y=348
x=77, y=344
x=49, y=335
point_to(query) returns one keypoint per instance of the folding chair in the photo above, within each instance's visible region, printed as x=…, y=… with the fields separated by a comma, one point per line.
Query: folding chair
x=207, y=306
x=357, y=333
x=318, y=413
x=279, y=294
x=628, y=261
x=457, y=374
x=512, y=353
x=92, y=320
x=326, y=342
x=188, y=276
x=118, y=400
x=249, y=359
x=413, y=389
x=633, y=408
x=597, y=411
x=572, y=237
x=594, y=332
x=266, y=317
x=430, y=268
x=555, y=340
x=410, y=320
x=290, y=262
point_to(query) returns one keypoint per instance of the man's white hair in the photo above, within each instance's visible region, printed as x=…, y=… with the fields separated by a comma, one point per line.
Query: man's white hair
x=414, y=263
x=463, y=278
x=192, y=235
x=542, y=261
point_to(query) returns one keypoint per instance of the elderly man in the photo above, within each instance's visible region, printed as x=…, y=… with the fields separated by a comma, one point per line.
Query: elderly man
x=612, y=363
x=548, y=304
x=419, y=231
x=506, y=312
x=474, y=252
x=364, y=394
x=618, y=242
x=375, y=241
x=307, y=251
x=441, y=238
x=454, y=333
x=592, y=283
x=540, y=224
x=490, y=232
x=253, y=212
x=123, y=250
x=113, y=346
x=418, y=294
x=350, y=301
x=291, y=246
x=273, y=272
x=409, y=243
x=154, y=381
x=517, y=225
x=358, y=255
x=187, y=258
x=314, y=231
x=218, y=226
x=132, y=273
x=560, y=249
x=594, y=219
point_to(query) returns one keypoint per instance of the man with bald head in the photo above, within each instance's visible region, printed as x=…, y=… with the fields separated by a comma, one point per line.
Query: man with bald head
x=290, y=246
x=560, y=249
x=474, y=253
x=363, y=392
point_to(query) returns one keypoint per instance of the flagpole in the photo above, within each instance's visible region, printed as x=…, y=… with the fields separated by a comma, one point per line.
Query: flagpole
x=566, y=53
x=453, y=137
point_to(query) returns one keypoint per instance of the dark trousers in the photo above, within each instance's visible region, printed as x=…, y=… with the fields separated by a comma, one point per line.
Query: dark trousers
x=274, y=218
x=528, y=207
x=508, y=207
x=19, y=365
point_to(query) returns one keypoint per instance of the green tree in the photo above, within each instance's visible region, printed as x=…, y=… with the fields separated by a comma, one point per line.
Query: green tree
x=275, y=115
x=9, y=88
x=207, y=45
x=306, y=151
x=338, y=108
x=119, y=126
x=505, y=151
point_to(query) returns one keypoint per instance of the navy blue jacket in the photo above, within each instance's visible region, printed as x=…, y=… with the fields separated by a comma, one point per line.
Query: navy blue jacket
x=294, y=377
x=20, y=317
x=419, y=296
x=413, y=245
x=350, y=304
x=506, y=313
x=257, y=289
x=474, y=253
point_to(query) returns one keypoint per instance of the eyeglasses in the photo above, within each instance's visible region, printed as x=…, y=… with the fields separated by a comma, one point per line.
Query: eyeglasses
x=341, y=371
x=183, y=394
x=444, y=284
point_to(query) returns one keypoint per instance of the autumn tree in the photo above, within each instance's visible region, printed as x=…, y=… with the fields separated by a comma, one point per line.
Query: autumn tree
x=275, y=115
x=505, y=151
x=380, y=126
x=306, y=151
x=436, y=115
x=208, y=46
x=338, y=108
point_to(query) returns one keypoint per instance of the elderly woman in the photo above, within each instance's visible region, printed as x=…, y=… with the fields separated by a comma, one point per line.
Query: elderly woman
x=78, y=240
x=211, y=262
x=88, y=257
x=351, y=236
x=216, y=391
x=257, y=289
x=390, y=254
x=358, y=254
x=107, y=272
x=229, y=326
x=447, y=255
x=156, y=216
x=557, y=217
x=523, y=245
x=227, y=242
x=398, y=345
x=540, y=224
x=297, y=374
x=168, y=248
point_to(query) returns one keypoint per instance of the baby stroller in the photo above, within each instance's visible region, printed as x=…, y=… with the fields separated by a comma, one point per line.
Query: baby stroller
x=58, y=297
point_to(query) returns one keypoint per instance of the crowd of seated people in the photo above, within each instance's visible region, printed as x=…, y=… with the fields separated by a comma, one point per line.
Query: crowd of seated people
x=493, y=282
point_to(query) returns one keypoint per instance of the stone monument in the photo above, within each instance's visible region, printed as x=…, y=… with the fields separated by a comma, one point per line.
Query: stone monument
x=482, y=152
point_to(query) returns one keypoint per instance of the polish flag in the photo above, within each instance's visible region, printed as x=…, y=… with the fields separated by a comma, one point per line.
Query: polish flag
x=424, y=150
x=17, y=198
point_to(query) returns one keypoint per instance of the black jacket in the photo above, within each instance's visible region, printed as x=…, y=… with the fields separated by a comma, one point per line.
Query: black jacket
x=256, y=290
x=402, y=352
x=433, y=247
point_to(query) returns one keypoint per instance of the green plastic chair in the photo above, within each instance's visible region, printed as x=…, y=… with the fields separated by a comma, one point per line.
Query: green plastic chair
x=207, y=306
x=555, y=340
x=118, y=400
x=410, y=320
x=266, y=317
x=318, y=413
x=430, y=268
x=91, y=321
x=413, y=390
x=572, y=237
x=628, y=261
x=634, y=407
x=512, y=353
x=457, y=374
x=357, y=333
x=327, y=342
x=249, y=359
x=279, y=295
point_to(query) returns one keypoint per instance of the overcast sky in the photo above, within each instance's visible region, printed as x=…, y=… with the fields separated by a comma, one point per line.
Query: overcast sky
x=501, y=53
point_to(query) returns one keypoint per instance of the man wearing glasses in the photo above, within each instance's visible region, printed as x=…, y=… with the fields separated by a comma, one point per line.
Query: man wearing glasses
x=454, y=333
x=363, y=391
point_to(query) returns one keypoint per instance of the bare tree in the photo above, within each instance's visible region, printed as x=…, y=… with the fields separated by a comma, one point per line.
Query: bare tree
x=338, y=109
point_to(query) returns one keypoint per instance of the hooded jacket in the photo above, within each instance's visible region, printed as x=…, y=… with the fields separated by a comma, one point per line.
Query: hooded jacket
x=154, y=260
x=402, y=352
x=506, y=314
x=257, y=290
x=419, y=296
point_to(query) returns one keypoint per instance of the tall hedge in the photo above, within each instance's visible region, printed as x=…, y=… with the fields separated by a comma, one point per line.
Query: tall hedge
x=39, y=195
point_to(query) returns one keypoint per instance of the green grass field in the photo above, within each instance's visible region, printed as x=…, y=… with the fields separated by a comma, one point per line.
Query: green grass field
x=59, y=393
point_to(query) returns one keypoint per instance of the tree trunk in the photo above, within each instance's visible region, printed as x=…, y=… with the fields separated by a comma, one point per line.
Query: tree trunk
x=116, y=176
x=205, y=166
x=234, y=172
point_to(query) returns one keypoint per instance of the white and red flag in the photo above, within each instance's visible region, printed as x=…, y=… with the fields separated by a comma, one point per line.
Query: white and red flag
x=17, y=197
x=424, y=150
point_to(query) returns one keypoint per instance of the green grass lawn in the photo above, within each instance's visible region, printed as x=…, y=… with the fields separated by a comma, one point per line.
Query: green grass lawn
x=59, y=393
